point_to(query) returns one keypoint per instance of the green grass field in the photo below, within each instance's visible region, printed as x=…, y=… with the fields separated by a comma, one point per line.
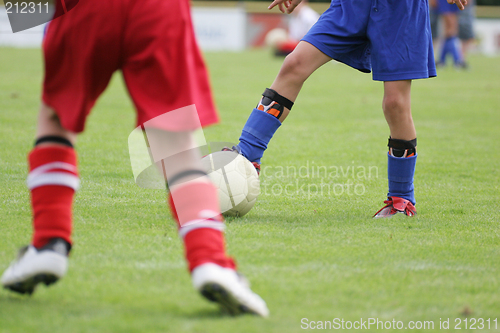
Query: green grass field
x=308, y=252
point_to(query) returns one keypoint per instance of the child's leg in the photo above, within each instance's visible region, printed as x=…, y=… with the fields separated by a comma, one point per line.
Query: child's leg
x=450, y=46
x=397, y=109
x=195, y=207
x=52, y=180
x=402, y=143
x=274, y=107
x=193, y=198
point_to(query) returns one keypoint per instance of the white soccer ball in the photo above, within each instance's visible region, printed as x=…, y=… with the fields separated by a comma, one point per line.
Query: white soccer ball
x=276, y=37
x=236, y=180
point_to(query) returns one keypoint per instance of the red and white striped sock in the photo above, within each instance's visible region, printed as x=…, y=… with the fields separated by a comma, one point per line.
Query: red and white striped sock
x=53, y=180
x=195, y=207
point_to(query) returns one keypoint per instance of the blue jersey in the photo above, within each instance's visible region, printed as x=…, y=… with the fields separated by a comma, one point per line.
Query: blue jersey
x=391, y=37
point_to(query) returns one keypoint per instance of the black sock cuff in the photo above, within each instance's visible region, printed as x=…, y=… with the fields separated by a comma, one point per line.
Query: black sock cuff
x=54, y=139
x=402, y=144
x=176, y=178
x=270, y=93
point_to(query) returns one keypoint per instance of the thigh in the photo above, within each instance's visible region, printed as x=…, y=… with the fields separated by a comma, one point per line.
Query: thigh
x=163, y=68
x=81, y=52
x=401, y=40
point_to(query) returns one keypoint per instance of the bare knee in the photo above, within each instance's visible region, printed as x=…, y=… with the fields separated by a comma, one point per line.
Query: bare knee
x=50, y=125
x=397, y=110
x=393, y=104
x=397, y=113
x=396, y=104
x=48, y=115
x=295, y=68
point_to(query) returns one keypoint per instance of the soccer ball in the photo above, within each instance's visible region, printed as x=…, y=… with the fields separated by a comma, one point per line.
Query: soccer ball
x=236, y=179
x=276, y=37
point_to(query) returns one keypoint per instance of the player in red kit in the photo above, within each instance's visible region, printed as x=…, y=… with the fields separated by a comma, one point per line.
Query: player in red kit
x=152, y=42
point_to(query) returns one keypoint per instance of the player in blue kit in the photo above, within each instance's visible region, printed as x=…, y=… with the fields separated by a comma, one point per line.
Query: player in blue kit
x=393, y=39
x=449, y=13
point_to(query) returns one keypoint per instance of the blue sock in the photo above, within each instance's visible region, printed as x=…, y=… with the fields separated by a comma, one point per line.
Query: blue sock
x=258, y=131
x=445, y=49
x=400, y=171
x=457, y=58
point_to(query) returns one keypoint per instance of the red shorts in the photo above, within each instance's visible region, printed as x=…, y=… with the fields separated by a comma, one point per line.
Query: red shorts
x=151, y=41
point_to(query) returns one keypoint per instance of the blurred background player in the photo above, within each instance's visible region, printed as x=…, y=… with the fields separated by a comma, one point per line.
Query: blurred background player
x=449, y=13
x=365, y=35
x=434, y=19
x=152, y=42
x=466, y=33
x=301, y=20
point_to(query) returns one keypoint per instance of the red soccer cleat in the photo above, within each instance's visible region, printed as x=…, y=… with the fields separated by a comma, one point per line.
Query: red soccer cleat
x=394, y=205
x=257, y=167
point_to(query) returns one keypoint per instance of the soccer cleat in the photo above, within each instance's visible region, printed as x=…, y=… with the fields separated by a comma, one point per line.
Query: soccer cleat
x=34, y=266
x=462, y=65
x=236, y=150
x=394, y=205
x=226, y=287
x=440, y=64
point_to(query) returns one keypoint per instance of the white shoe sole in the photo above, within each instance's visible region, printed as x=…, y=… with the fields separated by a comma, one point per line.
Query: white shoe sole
x=224, y=286
x=32, y=268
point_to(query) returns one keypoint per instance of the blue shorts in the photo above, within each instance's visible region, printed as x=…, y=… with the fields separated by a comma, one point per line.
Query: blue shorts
x=444, y=7
x=391, y=36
